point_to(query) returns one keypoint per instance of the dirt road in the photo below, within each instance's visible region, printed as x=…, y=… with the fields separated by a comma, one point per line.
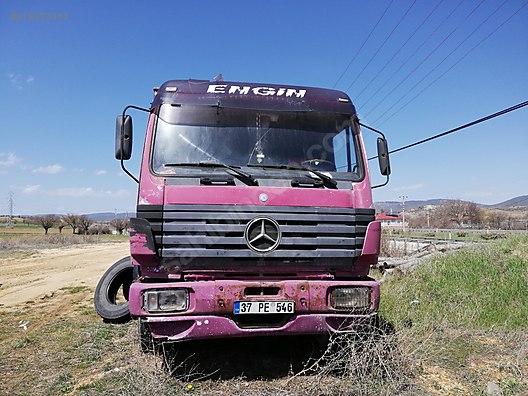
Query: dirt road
x=33, y=277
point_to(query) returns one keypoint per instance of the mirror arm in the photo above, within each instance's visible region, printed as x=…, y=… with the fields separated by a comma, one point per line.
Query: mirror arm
x=383, y=136
x=128, y=172
x=373, y=130
x=382, y=184
x=122, y=139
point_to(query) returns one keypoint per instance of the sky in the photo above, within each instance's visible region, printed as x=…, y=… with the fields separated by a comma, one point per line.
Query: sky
x=412, y=68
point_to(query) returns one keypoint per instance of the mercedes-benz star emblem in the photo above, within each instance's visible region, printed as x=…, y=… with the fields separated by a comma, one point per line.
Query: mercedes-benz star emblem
x=262, y=234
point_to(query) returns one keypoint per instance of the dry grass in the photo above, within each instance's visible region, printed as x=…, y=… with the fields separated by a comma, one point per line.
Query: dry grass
x=66, y=349
x=371, y=362
x=59, y=346
x=390, y=248
x=32, y=242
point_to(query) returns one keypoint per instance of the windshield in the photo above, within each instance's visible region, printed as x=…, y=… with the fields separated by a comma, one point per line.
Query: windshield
x=240, y=137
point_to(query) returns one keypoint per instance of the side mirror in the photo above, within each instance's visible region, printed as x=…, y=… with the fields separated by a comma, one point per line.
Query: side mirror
x=383, y=157
x=123, y=137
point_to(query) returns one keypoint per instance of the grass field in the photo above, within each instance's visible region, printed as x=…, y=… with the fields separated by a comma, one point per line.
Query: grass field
x=456, y=324
x=30, y=237
x=31, y=229
x=479, y=288
x=469, y=309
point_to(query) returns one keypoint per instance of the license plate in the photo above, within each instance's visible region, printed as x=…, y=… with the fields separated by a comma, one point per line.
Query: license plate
x=264, y=307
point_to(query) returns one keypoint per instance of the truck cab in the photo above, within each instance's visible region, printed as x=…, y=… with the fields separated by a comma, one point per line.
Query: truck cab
x=254, y=212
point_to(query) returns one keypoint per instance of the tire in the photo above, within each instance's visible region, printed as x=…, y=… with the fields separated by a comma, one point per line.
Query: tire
x=118, y=277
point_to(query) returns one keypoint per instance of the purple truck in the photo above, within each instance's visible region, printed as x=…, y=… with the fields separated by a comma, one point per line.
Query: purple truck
x=254, y=213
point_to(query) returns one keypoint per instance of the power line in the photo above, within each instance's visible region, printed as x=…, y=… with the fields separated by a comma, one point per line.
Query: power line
x=411, y=57
x=443, y=60
x=455, y=64
x=480, y=120
x=472, y=123
x=382, y=45
x=362, y=45
x=425, y=59
x=356, y=97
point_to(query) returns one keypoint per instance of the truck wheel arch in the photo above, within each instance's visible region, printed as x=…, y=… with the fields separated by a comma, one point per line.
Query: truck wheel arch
x=118, y=277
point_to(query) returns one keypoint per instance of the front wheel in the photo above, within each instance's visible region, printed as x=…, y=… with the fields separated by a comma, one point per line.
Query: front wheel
x=111, y=293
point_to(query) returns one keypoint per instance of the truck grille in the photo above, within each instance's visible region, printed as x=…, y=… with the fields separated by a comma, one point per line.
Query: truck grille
x=219, y=230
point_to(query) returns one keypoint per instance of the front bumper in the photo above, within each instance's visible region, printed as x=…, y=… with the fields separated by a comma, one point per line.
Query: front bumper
x=211, y=306
x=209, y=327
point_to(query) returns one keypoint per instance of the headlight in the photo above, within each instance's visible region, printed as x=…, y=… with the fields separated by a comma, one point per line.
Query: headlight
x=350, y=298
x=169, y=300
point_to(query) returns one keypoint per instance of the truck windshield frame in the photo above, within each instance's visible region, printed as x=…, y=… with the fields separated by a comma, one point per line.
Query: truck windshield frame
x=242, y=138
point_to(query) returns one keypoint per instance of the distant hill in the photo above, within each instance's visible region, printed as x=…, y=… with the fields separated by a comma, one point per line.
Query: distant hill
x=108, y=216
x=513, y=203
x=396, y=206
x=520, y=202
x=102, y=217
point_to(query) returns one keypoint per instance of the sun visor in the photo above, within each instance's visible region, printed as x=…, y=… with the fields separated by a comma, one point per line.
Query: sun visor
x=253, y=96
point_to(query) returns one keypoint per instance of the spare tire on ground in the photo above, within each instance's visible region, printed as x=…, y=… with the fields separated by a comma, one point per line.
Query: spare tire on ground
x=111, y=293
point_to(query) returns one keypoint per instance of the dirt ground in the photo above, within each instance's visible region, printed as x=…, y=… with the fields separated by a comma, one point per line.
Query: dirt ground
x=52, y=342
x=40, y=274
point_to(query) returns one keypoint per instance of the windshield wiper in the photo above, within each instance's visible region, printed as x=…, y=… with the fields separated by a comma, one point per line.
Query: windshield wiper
x=328, y=182
x=242, y=176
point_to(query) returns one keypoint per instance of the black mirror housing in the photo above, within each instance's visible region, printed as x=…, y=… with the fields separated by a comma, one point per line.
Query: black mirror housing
x=383, y=157
x=123, y=137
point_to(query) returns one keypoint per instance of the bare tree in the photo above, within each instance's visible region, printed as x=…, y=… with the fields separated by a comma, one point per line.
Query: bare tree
x=84, y=224
x=61, y=224
x=72, y=221
x=417, y=220
x=459, y=212
x=496, y=219
x=474, y=214
x=454, y=211
x=120, y=225
x=46, y=222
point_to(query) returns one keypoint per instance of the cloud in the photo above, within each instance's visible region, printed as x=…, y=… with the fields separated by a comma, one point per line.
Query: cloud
x=478, y=196
x=20, y=81
x=100, y=172
x=75, y=192
x=50, y=169
x=8, y=159
x=78, y=192
x=408, y=187
x=31, y=189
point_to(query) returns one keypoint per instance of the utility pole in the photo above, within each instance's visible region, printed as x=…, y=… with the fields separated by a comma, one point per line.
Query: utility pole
x=403, y=198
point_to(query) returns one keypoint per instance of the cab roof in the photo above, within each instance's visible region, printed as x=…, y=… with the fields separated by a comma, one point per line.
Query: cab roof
x=255, y=96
